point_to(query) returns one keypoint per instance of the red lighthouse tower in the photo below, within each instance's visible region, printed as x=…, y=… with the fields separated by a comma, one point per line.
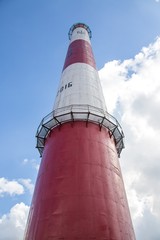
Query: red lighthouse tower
x=79, y=193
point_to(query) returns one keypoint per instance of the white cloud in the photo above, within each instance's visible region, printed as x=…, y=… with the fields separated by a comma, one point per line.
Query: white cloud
x=32, y=162
x=25, y=161
x=15, y=187
x=132, y=91
x=10, y=187
x=12, y=225
x=27, y=183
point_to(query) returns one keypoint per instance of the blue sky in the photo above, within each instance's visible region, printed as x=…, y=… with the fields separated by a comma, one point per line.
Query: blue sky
x=33, y=45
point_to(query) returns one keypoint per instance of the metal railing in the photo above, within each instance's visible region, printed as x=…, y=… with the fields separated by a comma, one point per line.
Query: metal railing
x=83, y=25
x=75, y=113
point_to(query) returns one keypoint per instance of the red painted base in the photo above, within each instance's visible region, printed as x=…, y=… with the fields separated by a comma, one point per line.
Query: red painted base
x=79, y=192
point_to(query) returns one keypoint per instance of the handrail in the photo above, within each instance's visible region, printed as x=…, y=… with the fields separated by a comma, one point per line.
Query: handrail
x=79, y=113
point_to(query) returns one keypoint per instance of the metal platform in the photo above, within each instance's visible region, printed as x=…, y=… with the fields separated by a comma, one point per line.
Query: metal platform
x=75, y=113
x=82, y=25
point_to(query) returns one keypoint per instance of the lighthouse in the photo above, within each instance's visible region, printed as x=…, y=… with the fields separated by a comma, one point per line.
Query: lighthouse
x=79, y=192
